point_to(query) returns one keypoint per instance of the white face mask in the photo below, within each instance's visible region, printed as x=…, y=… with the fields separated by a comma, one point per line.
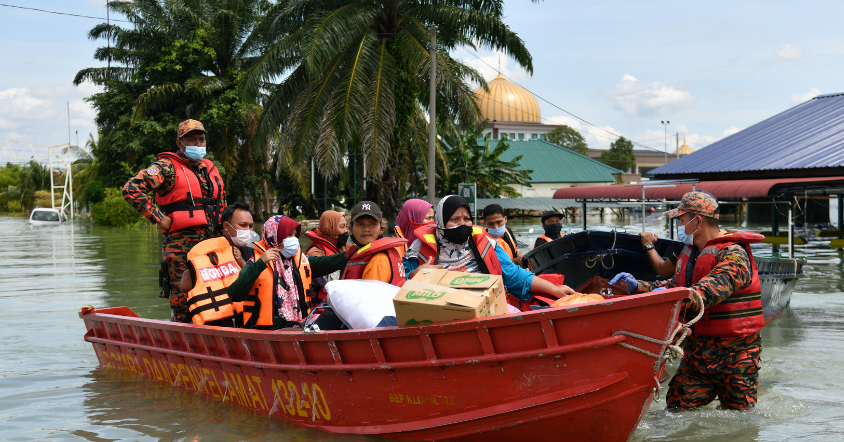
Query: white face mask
x=687, y=238
x=291, y=246
x=243, y=238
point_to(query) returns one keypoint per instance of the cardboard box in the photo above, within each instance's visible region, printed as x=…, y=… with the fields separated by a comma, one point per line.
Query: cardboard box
x=441, y=296
x=476, y=283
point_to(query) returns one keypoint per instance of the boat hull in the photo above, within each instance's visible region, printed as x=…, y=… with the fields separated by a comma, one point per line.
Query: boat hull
x=585, y=255
x=553, y=374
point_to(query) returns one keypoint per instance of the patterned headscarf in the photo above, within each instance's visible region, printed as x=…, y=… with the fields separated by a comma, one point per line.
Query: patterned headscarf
x=286, y=290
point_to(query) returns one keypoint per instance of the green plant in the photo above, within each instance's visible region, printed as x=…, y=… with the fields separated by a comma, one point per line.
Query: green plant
x=114, y=211
x=569, y=138
x=620, y=155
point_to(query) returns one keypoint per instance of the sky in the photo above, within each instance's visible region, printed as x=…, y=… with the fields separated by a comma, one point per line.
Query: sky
x=710, y=68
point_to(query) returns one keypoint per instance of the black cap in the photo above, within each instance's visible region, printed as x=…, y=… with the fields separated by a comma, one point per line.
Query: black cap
x=547, y=215
x=366, y=208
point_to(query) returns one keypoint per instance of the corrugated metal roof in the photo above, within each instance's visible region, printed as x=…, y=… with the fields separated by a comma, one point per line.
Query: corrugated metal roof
x=807, y=136
x=554, y=164
x=719, y=189
x=538, y=204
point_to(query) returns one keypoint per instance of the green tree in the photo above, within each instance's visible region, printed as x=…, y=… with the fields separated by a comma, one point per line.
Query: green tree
x=357, y=79
x=180, y=59
x=569, y=138
x=620, y=155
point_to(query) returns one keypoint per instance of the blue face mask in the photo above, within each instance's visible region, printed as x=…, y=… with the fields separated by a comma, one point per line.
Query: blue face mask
x=291, y=246
x=688, y=239
x=497, y=232
x=194, y=153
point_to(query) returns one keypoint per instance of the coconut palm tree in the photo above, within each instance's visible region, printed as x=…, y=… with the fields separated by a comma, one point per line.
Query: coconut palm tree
x=355, y=79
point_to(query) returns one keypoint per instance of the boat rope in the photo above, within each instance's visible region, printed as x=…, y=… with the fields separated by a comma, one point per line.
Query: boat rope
x=594, y=260
x=674, y=344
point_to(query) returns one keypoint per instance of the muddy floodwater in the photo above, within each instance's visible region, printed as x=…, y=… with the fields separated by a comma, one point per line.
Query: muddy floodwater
x=51, y=387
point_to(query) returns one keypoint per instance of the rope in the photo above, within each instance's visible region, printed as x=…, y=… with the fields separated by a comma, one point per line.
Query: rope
x=600, y=258
x=673, y=347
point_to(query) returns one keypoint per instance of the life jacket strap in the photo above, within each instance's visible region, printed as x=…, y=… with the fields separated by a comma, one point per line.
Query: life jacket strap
x=212, y=296
x=254, y=310
x=186, y=206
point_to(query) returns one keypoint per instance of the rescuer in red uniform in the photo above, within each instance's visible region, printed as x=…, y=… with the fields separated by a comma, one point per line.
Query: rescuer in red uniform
x=189, y=195
x=722, y=356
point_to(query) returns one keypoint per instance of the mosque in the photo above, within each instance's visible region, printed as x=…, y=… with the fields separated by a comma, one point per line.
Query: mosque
x=513, y=110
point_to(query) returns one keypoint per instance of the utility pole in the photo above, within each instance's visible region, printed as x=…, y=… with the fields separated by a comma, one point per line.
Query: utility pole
x=677, y=135
x=665, y=125
x=432, y=116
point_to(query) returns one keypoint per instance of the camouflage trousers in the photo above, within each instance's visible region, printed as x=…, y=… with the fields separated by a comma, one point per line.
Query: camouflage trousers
x=175, y=248
x=726, y=368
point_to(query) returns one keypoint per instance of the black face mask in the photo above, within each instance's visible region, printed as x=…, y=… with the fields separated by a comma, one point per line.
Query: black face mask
x=553, y=230
x=457, y=235
x=355, y=241
x=342, y=239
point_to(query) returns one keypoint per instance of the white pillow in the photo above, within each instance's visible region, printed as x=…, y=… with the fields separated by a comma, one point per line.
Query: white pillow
x=361, y=303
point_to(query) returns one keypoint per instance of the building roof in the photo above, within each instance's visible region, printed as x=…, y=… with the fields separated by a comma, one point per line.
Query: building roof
x=554, y=164
x=808, y=138
x=508, y=102
x=729, y=189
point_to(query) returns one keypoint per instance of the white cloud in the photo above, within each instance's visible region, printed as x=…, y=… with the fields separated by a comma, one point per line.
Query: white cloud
x=748, y=94
x=637, y=98
x=787, y=53
x=488, y=66
x=800, y=98
x=40, y=115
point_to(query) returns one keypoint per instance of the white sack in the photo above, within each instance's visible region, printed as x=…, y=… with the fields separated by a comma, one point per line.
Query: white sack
x=361, y=303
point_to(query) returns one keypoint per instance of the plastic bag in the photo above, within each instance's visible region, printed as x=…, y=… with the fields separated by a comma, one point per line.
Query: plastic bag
x=362, y=303
x=577, y=298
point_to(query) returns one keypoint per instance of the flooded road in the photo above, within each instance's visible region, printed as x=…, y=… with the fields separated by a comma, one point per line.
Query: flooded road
x=52, y=389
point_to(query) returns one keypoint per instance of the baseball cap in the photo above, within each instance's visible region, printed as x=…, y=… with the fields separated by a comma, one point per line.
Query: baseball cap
x=700, y=202
x=366, y=208
x=547, y=215
x=189, y=126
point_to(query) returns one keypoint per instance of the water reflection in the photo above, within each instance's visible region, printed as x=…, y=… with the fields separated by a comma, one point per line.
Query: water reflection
x=50, y=386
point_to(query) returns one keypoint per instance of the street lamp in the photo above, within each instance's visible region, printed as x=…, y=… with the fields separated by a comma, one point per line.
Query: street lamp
x=665, y=124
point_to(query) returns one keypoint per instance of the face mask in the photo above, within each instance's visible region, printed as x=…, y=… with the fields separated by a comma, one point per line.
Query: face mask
x=553, y=230
x=458, y=234
x=194, y=153
x=243, y=238
x=497, y=232
x=342, y=239
x=688, y=239
x=291, y=246
x=418, y=225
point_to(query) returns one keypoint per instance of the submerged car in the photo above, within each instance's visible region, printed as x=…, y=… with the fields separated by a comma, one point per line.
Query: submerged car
x=46, y=217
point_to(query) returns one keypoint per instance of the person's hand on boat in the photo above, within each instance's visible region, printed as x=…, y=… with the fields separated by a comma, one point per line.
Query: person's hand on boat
x=165, y=223
x=626, y=281
x=563, y=290
x=270, y=255
x=648, y=238
x=423, y=266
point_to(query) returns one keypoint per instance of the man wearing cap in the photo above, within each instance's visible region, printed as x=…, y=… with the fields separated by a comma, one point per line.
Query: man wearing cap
x=722, y=355
x=373, y=256
x=552, y=223
x=189, y=196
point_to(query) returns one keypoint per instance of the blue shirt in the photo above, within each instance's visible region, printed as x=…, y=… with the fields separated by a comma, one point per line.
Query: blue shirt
x=516, y=279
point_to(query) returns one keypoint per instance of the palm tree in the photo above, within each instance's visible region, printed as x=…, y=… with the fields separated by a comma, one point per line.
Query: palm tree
x=355, y=79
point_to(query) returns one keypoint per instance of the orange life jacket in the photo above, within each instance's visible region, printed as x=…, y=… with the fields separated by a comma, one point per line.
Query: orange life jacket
x=213, y=269
x=360, y=257
x=399, y=234
x=428, y=251
x=741, y=313
x=185, y=204
x=508, y=244
x=262, y=295
x=323, y=244
x=547, y=240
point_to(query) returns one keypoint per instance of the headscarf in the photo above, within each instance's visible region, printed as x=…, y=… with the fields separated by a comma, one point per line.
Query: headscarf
x=457, y=257
x=329, y=223
x=275, y=230
x=413, y=211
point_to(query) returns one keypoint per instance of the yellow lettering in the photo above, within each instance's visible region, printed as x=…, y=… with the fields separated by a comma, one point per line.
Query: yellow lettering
x=260, y=390
x=290, y=392
x=210, y=375
x=323, y=408
x=253, y=395
x=299, y=402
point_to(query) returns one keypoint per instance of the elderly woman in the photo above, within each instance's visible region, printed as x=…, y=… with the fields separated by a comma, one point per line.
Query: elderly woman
x=277, y=293
x=455, y=244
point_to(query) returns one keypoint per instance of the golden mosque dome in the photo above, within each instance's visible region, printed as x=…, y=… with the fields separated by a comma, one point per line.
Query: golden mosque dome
x=508, y=102
x=685, y=149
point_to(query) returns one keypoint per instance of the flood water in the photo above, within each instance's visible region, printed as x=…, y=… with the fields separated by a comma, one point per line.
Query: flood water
x=51, y=387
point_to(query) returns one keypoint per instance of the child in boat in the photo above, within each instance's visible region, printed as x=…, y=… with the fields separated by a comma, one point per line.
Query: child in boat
x=373, y=256
x=455, y=244
x=496, y=227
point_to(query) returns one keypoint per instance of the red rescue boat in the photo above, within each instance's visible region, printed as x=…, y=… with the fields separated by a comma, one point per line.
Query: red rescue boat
x=578, y=373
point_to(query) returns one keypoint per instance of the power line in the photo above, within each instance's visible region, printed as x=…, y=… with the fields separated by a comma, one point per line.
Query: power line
x=59, y=13
x=552, y=104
